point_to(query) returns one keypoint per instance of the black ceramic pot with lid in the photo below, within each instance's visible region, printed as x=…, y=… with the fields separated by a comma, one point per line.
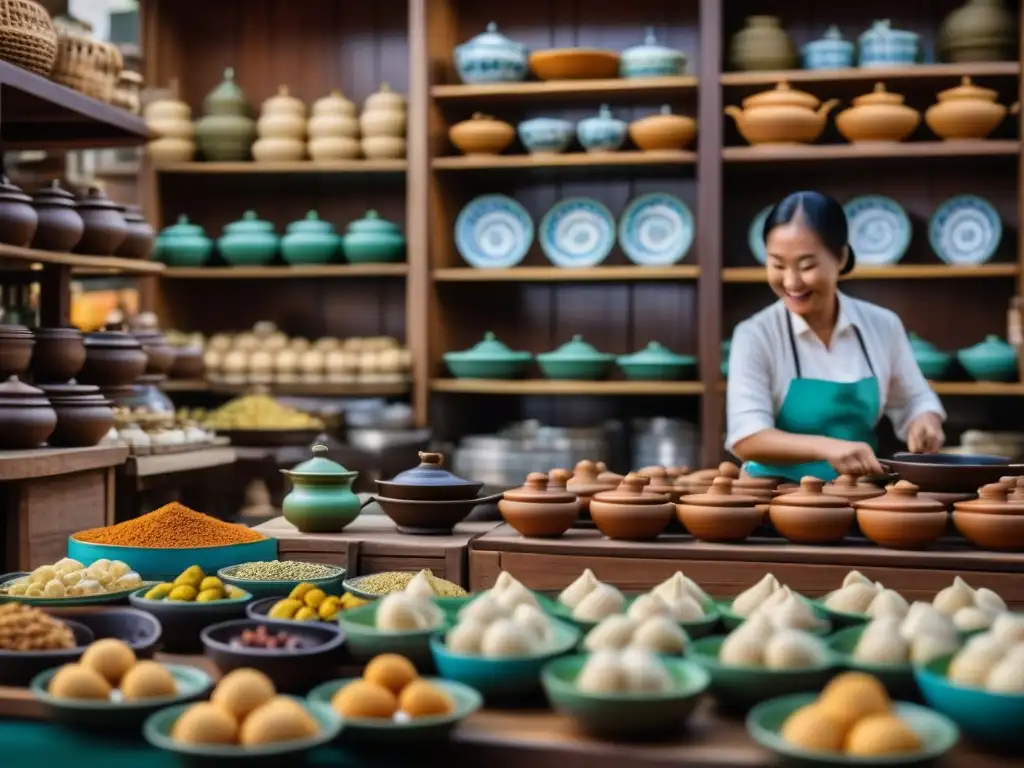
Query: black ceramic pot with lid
x=429, y=481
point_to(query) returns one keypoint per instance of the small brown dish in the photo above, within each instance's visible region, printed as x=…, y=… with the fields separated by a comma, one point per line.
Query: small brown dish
x=138, y=242
x=629, y=514
x=18, y=219
x=994, y=521
x=16, y=344
x=661, y=483
x=852, y=489
x=159, y=354
x=810, y=516
x=537, y=511
x=429, y=481
x=430, y=518
x=719, y=515
x=26, y=417
x=188, y=364
x=105, y=227
x=112, y=359
x=60, y=225
x=902, y=519
x=585, y=482
x=84, y=416
x=58, y=355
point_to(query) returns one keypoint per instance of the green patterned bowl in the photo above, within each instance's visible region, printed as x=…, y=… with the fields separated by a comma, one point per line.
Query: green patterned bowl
x=106, y=598
x=898, y=679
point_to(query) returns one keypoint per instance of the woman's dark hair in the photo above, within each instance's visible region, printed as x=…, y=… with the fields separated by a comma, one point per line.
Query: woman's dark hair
x=821, y=214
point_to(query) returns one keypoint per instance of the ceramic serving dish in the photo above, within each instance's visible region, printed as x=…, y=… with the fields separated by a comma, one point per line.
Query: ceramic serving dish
x=574, y=64
x=250, y=241
x=84, y=416
x=26, y=417
x=537, y=511
x=830, y=51
x=585, y=482
x=656, y=230
x=105, y=227
x=490, y=57
x=717, y=514
x=481, y=135
x=493, y=232
x=430, y=518
x=576, y=360
x=183, y=244
x=546, y=135
x=656, y=363
x=364, y=640
x=948, y=473
x=321, y=499
x=965, y=230
x=884, y=46
x=18, y=219
x=781, y=115
x=990, y=360
x=629, y=514
x=139, y=630
x=651, y=59
x=429, y=481
x=967, y=111
x=310, y=241
x=487, y=359
x=878, y=116
x=901, y=519
x=577, y=232
x=260, y=588
x=880, y=229
x=373, y=240
x=809, y=516
x=603, y=132
x=60, y=226
x=995, y=520
x=16, y=350
x=663, y=131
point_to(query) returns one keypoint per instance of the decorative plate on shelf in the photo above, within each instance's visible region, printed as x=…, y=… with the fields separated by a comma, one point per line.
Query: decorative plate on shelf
x=965, y=229
x=577, y=232
x=656, y=230
x=880, y=229
x=755, y=239
x=493, y=232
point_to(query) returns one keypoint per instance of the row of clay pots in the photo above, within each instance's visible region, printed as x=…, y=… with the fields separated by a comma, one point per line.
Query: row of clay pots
x=67, y=415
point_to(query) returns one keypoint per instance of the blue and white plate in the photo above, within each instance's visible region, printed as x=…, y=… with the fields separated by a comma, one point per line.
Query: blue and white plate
x=965, y=229
x=755, y=235
x=577, y=232
x=656, y=230
x=879, y=229
x=493, y=232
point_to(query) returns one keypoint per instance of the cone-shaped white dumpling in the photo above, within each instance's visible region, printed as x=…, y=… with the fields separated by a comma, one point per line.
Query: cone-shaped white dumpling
x=659, y=634
x=954, y=597
x=971, y=666
x=534, y=619
x=856, y=577
x=696, y=591
x=603, y=600
x=972, y=618
x=483, y=609
x=430, y=613
x=602, y=673
x=793, y=649
x=1009, y=627
x=852, y=598
x=775, y=599
x=465, y=637
x=682, y=593
x=685, y=609
x=888, y=602
x=881, y=643
x=648, y=606
x=746, y=602
x=794, y=613
x=402, y=612
x=573, y=595
x=988, y=600
x=612, y=634
x=420, y=586
x=515, y=595
x=1008, y=675
x=504, y=639
x=644, y=672
x=504, y=581
x=924, y=618
x=744, y=647
x=926, y=647
x=671, y=588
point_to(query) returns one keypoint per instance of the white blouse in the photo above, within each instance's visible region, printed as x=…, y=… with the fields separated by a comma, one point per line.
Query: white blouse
x=761, y=365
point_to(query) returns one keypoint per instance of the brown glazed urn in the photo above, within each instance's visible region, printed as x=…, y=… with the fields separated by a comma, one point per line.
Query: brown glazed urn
x=105, y=227
x=112, y=359
x=60, y=225
x=719, y=515
x=537, y=511
x=16, y=344
x=58, y=356
x=994, y=521
x=902, y=518
x=18, y=219
x=84, y=416
x=584, y=483
x=810, y=516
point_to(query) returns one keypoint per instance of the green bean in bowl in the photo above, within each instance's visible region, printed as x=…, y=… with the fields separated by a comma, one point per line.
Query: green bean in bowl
x=279, y=577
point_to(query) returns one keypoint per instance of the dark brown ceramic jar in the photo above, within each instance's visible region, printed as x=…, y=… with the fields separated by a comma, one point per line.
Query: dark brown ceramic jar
x=26, y=418
x=538, y=511
x=138, y=242
x=84, y=416
x=105, y=227
x=810, y=516
x=629, y=514
x=58, y=356
x=995, y=520
x=584, y=483
x=188, y=364
x=112, y=359
x=16, y=343
x=18, y=219
x=159, y=354
x=902, y=519
x=60, y=225
x=718, y=514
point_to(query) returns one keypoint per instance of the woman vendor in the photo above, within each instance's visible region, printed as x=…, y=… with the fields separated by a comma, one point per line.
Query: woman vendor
x=811, y=375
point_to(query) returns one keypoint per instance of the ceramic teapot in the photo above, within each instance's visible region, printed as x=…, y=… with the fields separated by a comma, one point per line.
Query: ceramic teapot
x=309, y=241
x=333, y=129
x=321, y=499
x=965, y=112
x=373, y=239
x=171, y=120
x=226, y=131
x=183, y=244
x=281, y=129
x=250, y=241
x=878, y=116
x=781, y=116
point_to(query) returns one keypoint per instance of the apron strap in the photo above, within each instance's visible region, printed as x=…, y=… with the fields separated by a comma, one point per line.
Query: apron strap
x=796, y=356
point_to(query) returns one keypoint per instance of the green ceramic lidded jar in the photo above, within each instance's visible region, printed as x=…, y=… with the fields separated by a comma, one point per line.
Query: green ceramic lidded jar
x=183, y=244
x=657, y=363
x=250, y=241
x=321, y=499
x=226, y=131
x=309, y=241
x=372, y=240
x=577, y=360
x=487, y=359
x=990, y=360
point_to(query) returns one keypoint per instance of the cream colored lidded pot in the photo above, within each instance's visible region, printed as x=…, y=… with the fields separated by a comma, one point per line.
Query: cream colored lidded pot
x=171, y=120
x=281, y=129
x=383, y=124
x=333, y=129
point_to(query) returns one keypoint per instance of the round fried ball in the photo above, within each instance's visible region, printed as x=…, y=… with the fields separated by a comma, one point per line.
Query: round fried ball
x=280, y=719
x=422, y=699
x=111, y=657
x=77, y=681
x=241, y=691
x=147, y=680
x=392, y=671
x=811, y=728
x=361, y=698
x=204, y=723
x=852, y=696
x=881, y=735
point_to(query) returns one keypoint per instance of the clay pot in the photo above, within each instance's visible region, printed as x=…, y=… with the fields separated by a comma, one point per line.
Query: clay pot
x=188, y=364
x=878, y=116
x=661, y=483
x=84, y=416
x=26, y=418
x=965, y=112
x=585, y=482
x=60, y=225
x=605, y=475
x=16, y=343
x=674, y=473
x=781, y=116
x=482, y=135
x=18, y=219
x=901, y=519
x=58, y=356
x=719, y=515
x=557, y=480
x=629, y=514
x=852, y=489
x=159, y=354
x=762, y=45
x=663, y=131
x=105, y=227
x=536, y=511
x=701, y=480
x=139, y=240
x=112, y=359
x=761, y=488
x=809, y=516
x=979, y=30
x=995, y=520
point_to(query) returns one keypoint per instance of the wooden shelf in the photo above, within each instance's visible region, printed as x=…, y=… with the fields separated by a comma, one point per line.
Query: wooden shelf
x=565, y=275
x=588, y=160
x=775, y=153
x=305, y=271
x=582, y=388
x=294, y=168
x=978, y=388
x=893, y=272
x=185, y=461
x=295, y=390
x=28, y=257
x=47, y=462
x=634, y=89
x=875, y=74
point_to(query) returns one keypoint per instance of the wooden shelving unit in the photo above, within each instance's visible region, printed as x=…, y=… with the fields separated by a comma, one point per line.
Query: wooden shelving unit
x=32, y=258
x=941, y=71
x=594, y=161
x=903, y=151
x=353, y=167
x=304, y=271
x=546, y=387
x=565, y=274
x=638, y=89
x=325, y=389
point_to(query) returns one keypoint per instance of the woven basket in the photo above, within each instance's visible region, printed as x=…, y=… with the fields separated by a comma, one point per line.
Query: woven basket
x=90, y=66
x=27, y=36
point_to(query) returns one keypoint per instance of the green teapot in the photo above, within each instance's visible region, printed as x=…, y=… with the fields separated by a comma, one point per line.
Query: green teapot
x=321, y=499
x=183, y=244
x=309, y=241
x=250, y=241
x=372, y=240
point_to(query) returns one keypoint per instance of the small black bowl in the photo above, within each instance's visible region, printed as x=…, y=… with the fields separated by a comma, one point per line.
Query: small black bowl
x=19, y=667
x=295, y=670
x=183, y=621
x=140, y=630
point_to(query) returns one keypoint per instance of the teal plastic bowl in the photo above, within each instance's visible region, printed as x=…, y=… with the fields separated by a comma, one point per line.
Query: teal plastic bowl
x=838, y=619
x=364, y=640
x=509, y=678
x=695, y=629
x=740, y=688
x=507, y=367
x=938, y=735
x=898, y=679
x=732, y=620
x=637, y=370
x=992, y=719
x=391, y=733
x=625, y=715
x=583, y=369
x=281, y=587
x=166, y=564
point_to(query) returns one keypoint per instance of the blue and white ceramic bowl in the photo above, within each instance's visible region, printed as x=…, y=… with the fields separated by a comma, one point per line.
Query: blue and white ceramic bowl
x=883, y=46
x=965, y=229
x=577, y=232
x=656, y=230
x=546, y=135
x=490, y=57
x=493, y=232
x=651, y=59
x=830, y=51
x=879, y=229
x=604, y=133
x=755, y=235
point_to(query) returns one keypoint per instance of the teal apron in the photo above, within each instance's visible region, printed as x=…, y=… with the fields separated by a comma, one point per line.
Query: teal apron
x=845, y=411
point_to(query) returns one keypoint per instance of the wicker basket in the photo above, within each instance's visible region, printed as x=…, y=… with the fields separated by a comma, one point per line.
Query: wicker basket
x=87, y=65
x=27, y=36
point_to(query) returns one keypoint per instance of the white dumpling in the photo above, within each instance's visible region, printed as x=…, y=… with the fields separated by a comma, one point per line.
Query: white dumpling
x=420, y=586
x=747, y=601
x=988, y=600
x=926, y=647
x=603, y=601
x=644, y=672
x=483, y=609
x=775, y=599
x=1009, y=627
x=759, y=627
x=679, y=586
x=402, y=612
x=888, y=602
x=744, y=646
x=856, y=577
x=67, y=565
x=89, y=587
x=503, y=582
x=647, y=607
x=602, y=673
x=794, y=613
x=573, y=595
x=534, y=619
x=465, y=637
x=659, y=634
x=954, y=597
x=793, y=649
x=696, y=591
x=612, y=634
x=881, y=643
x=972, y=618
x=971, y=666
x=118, y=568
x=686, y=609
x=924, y=618
x=852, y=598
x=504, y=639
x=515, y=595
x=54, y=588
x=1007, y=676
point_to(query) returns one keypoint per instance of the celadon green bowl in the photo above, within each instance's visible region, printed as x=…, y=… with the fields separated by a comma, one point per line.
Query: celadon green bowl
x=409, y=731
x=629, y=715
x=281, y=587
x=364, y=640
x=898, y=679
x=938, y=735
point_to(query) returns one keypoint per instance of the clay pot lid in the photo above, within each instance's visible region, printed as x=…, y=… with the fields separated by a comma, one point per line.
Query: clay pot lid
x=968, y=90
x=660, y=481
x=674, y=473
x=57, y=332
x=12, y=192
x=852, y=488
x=318, y=466
x=480, y=117
x=69, y=389
x=53, y=194
x=878, y=96
x=782, y=95
x=536, y=491
x=17, y=394
x=902, y=496
x=430, y=472
x=750, y=483
x=631, y=492
x=725, y=469
x=993, y=499
x=14, y=332
x=605, y=475
x=557, y=480
x=584, y=480
x=112, y=340
x=810, y=494
x=720, y=495
x=96, y=199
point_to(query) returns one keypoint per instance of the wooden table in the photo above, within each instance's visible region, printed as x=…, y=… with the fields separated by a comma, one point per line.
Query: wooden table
x=725, y=570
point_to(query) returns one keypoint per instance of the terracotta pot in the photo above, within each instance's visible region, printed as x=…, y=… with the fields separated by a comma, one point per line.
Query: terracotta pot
x=16, y=343
x=700, y=481
x=188, y=363
x=901, y=519
x=809, y=516
x=605, y=475
x=26, y=418
x=719, y=515
x=761, y=488
x=60, y=225
x=663, y=131
x=585, y=482
x=965, y=112
x=762, y=45
x=84, y=416
x=536, y=511
x=482, y=135
x=673, y=473
x=58, y=356
x=105, y=227
x=781, y=116
x=159, y=354
x=18, y=219
x=139, y=240
x=557, y=480
x=995, y=520
x=878, y=116
x=112, y=359
x=629, y=514
x=852, y=489
x=661, y=483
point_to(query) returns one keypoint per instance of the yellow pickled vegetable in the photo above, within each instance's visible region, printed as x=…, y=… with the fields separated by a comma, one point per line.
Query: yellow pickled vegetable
x=211, y=582
x=160, y=591
x=348, y=600
x=329, y=608
x=285, y=609
x=314, y=597
x=209, y=595
x=184, y=593
x=300, y=590
x=305, y=613
x=192, y=576
x=234, y=592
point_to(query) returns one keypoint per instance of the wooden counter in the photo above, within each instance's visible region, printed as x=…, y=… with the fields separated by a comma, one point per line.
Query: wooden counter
x=725, y=570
